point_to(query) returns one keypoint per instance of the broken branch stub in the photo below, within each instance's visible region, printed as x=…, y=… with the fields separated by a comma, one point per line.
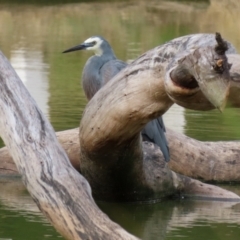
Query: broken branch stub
x=200, y=75
x=221, y=46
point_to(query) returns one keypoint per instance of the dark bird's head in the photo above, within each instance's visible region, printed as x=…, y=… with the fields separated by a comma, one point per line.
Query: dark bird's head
x=97, y=44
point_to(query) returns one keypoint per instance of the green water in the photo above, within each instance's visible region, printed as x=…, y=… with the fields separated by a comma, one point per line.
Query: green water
x=20, y=219
x=34, y=33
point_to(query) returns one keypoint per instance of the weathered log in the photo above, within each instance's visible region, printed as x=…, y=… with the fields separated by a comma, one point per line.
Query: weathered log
x=115, y=161
x=209, y=161
x=234, y=95
x=60, y=192
x=156, y=175
x=184, y=186
x=112, y=158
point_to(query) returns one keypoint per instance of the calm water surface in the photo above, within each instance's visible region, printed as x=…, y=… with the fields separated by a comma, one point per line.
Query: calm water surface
x=33, y=35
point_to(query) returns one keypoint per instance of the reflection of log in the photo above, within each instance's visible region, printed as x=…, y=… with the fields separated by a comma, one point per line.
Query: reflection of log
x=12, y=190
x=160, y=219
x=146, y=220
x=60, y=192
x=187, y=215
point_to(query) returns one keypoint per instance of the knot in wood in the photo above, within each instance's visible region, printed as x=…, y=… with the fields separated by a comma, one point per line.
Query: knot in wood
x=221, y=65
x=29, y=138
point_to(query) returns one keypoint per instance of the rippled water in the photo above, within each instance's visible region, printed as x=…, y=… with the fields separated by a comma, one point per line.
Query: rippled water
x=20, y=218
x=180, y=220
x=34, y=33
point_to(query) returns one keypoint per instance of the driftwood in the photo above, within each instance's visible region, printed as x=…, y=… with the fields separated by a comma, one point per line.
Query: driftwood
x=219, y=161
x=112, y=156
x=111, y=153
x=60, y=192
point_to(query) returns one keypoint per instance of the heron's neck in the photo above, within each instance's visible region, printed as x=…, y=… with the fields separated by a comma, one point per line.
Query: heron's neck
x=91, y=81
x=98, y=52
x=106, y=54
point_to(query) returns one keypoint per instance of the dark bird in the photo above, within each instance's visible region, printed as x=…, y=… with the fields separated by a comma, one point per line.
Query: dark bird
x=103, y=66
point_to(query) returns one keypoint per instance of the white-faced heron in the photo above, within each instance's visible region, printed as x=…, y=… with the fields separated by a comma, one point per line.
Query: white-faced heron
x=103, y=66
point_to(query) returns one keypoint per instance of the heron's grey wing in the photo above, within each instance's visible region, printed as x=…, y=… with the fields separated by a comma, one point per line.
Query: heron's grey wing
x=110, y=69
x=154, y=132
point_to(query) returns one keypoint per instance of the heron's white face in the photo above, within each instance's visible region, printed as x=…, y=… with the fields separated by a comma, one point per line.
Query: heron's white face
x=96, y=47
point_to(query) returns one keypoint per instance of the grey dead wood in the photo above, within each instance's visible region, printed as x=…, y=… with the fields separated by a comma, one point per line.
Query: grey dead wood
x=113, y=159
x=60, y=192
x=210, y=161
x=151, y=178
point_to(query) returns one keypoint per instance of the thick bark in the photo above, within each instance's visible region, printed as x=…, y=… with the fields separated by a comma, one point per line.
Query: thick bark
x=61, y=193
x=68, y=139
x=210, y=161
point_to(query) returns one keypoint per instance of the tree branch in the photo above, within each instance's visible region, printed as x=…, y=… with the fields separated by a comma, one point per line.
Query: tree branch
x=60, y=192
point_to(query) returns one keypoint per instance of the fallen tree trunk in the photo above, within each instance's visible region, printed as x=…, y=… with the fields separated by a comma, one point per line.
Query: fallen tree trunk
x=209, y=161
x=113, y=159
x=61, y=193
x=219, y=161
x=184, y=186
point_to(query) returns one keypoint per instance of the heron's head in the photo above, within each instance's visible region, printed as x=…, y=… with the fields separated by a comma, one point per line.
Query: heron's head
x=96, y=44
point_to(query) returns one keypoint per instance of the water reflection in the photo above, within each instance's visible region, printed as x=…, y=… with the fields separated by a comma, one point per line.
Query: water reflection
x=33, y=72
x=164, y=220
x=19, y=216
x=178, y=219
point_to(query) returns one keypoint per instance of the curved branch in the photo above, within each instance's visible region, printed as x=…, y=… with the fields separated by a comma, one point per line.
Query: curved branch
x=224, y=156
x=209, y=161
x=112, y=157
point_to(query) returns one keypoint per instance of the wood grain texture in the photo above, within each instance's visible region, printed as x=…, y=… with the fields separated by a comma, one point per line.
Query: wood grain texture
x=112, y=157
x=60, y=192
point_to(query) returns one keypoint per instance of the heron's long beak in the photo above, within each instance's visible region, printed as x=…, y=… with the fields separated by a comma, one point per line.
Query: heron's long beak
x=78, y=47
x=216, y=90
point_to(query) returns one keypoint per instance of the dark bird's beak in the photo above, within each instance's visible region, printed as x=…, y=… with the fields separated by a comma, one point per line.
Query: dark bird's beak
x=79, y=47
